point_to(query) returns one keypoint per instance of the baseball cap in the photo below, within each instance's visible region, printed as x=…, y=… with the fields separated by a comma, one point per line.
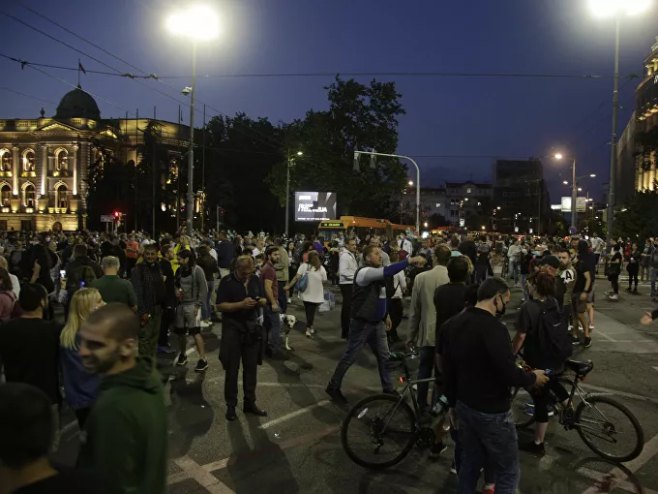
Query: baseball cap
x=550, y=261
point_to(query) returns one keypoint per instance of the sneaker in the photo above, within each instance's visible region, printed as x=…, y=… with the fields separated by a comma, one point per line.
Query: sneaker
x=614, y=296
x=533, y=448
x=181, y=360
x=201, y=365
x=437, y=449
x=312, y=330
x=206, y=324
x=336, y=395
x=588, y=342
x=453, y=468
x=308, y=333
x=575, y=340
x=165, y=349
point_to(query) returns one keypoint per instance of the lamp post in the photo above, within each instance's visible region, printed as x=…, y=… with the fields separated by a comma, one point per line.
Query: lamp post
x=574, y=189
x=198, y=23
x=373, y=153
x=288, y=166
x=615, y=8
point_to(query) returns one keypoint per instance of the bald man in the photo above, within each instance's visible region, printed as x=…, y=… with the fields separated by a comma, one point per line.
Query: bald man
x=126, y=433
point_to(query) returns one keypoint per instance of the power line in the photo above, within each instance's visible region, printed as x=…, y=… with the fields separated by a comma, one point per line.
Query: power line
x=9, y=90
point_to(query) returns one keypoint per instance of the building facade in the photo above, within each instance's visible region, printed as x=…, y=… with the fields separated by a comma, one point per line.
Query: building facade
x=646, y=125
x=45, y=162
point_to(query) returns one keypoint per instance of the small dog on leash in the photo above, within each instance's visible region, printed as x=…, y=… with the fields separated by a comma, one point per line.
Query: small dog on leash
x=287, y=323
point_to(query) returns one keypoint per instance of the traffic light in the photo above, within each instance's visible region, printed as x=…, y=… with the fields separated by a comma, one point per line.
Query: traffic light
x=117, y=215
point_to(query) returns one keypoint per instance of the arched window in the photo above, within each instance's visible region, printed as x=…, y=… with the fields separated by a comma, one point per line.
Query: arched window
x=29, y=195
x=5, y=160
x=62, y=196
x=61, y=161
x=29, y=160
x=5, y=195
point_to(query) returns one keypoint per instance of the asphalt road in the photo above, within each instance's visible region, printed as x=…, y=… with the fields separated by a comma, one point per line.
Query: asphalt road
x=297, y=447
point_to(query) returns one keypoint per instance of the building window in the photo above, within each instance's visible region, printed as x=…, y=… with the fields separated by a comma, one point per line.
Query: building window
x=438, y=204
x=29, y=195
x=468, y=190
x=62, y=196
x=5, y=195
x=28, y=161
x=5, y=160
x=61, y=162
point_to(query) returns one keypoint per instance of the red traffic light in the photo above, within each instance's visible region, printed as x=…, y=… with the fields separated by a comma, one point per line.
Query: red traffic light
x=117, y=214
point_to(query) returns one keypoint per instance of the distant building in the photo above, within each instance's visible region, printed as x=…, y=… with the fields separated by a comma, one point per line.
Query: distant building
x=646, y=126
x=469, y=204
x=625, y=177
x=521, y=198
x=433, y=203
x=45, y=162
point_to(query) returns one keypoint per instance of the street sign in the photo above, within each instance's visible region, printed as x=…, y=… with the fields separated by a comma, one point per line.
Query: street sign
x=107, y=218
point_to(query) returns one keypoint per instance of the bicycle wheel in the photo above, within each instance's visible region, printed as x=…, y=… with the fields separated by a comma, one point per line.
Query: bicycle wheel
x=379, y=431
x=523, y=408
x=609, y=428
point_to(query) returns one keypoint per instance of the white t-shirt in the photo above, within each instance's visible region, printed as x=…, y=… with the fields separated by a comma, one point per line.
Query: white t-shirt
x=314, y=290
x=400, y=284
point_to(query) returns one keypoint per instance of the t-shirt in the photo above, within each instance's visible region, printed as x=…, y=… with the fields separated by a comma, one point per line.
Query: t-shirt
x=449, y=300
x=527, y=322
x=581, y=268
x=114, y=289
x=29, y=349
x=267, y=272
x=568, y=276
x=69, y=482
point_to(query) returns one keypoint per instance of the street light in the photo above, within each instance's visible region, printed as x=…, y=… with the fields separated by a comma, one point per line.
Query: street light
x=373, y=153
x=574, y=189
x=197, y=23
x=291, y=161
x=411, y=183
x=605, y=9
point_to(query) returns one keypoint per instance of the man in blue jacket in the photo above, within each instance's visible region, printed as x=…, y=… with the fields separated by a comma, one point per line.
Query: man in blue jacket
x=368, y=318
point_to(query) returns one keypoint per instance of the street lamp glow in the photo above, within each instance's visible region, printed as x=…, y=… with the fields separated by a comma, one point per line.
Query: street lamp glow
x=198, y=22
x=565, y=182
x=613, y=8
x=425, y=224
x=411, y=183
x=592, y=175
x=300, y=153
x=558, y=156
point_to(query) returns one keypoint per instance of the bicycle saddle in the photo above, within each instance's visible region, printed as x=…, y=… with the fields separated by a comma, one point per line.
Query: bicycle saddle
x=580, y=367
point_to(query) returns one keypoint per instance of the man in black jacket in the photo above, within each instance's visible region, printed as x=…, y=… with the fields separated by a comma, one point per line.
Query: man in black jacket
x=480, y=369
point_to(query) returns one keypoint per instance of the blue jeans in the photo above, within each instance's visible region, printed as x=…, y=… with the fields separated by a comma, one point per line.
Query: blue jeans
x=653, y=274
x=487, y=439
x=524, y=286
x=273, y=328
x=362, y=332
x=425, y=368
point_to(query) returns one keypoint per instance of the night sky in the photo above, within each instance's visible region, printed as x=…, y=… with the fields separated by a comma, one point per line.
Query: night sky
x=456, y=126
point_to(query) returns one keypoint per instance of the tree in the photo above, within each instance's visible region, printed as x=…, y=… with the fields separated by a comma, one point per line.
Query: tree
x=638, y=218
x=360, y=117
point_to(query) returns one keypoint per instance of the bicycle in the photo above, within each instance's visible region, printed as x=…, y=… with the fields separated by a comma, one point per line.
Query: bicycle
x=380, y=430
x=602, y=422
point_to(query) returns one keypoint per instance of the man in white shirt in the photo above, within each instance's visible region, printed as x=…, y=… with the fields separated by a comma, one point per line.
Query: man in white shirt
x=513, y=256
x=347, y=266
x=422, y=318
x=405, y=244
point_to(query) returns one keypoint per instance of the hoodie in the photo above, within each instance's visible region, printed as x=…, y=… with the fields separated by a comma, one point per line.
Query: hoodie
x=126, y=433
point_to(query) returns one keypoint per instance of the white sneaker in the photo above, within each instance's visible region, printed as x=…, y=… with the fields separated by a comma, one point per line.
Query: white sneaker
x=312, y=330
x=308, y=333
x=206, y=324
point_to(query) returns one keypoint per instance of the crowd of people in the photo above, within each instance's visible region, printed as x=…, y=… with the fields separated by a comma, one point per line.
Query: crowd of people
x=127, y=298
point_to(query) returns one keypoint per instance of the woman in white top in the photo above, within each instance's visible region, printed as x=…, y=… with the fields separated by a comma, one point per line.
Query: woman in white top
x=313, y=295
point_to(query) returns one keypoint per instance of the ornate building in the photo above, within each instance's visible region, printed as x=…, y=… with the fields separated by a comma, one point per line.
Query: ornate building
x=45, y=162
x=646, y=126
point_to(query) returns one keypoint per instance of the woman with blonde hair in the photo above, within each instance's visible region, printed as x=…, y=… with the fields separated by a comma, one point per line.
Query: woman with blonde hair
x=80, y=387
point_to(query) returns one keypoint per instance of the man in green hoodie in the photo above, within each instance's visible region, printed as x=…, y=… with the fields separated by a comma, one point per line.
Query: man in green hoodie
x=126, y=433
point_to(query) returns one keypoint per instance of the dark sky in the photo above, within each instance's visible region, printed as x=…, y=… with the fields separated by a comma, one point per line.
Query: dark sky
x=457, y=126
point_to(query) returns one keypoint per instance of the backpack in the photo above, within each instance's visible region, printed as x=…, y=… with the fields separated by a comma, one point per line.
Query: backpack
x=553, y=336
x=302, y=282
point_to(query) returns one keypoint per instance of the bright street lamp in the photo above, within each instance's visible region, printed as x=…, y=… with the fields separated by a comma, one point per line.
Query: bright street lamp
x=291, y=161
x=197, y=23
x=411, y=183
x=616, y=8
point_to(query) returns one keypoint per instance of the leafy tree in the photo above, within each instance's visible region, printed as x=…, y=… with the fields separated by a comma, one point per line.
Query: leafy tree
x=638, y=219
x=360, y=117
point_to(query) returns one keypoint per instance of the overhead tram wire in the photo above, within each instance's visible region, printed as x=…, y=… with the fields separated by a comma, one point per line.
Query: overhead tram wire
x=37, y=98
x=264, y=138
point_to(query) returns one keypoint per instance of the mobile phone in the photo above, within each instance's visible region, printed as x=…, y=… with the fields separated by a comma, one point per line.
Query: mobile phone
x=62, y=273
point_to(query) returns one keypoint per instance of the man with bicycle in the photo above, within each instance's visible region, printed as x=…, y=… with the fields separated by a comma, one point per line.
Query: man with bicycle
x=480, y=370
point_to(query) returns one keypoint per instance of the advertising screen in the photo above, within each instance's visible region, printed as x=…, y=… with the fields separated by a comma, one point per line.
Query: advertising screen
x=315, y=206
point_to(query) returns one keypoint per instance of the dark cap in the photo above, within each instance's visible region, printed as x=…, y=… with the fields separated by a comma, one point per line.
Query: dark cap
x=550, y=261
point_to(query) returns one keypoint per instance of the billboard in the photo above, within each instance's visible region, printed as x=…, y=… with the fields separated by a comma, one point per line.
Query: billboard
x=581, y=204
x=315, y=206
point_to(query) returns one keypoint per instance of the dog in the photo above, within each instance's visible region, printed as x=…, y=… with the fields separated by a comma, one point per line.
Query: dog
x=287, y=323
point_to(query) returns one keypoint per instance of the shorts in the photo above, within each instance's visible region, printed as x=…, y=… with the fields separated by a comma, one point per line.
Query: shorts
x=579, y=306
x=590, y=297
x=188, y=319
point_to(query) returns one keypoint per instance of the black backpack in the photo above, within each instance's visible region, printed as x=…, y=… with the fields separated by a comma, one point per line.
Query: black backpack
x=553, y=338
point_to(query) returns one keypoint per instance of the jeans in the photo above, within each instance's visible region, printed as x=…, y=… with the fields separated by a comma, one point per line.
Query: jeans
x=232, y=350
x=362, y=332
x=524, y=287
x=425, y=367
x=487, y=439
x=514, y=270
x=653, y=274
x=283, y=297
x=346, y=308
x=273, y=327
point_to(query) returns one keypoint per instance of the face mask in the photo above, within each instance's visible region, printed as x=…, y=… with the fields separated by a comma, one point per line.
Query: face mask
x=501, y=312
